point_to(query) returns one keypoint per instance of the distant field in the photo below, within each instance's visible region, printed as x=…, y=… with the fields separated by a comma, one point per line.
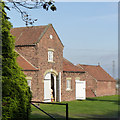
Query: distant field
x=99, y=107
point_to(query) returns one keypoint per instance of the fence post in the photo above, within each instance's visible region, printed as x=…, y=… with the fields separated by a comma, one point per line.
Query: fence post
x=66, y=111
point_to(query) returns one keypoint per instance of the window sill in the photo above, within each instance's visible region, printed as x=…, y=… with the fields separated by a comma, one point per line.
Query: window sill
x=51, y=61
x=68, y=89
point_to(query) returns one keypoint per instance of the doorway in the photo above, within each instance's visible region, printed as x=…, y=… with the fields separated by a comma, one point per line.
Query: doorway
x=49, y=87
x=52, y=88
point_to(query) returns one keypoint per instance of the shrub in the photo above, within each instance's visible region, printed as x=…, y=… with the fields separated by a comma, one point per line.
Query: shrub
x=16, y=94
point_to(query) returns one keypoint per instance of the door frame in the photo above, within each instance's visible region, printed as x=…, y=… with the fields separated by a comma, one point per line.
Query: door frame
x=55, y=74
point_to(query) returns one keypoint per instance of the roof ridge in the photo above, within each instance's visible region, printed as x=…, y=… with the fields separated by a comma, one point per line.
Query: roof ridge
x=29, y=26
x=87, y=72
x=72, y=64
x=69, y=61
x=41, y=35
x=107, y=73
x=78, y=65
x=57, y=35
x=98, y=68
x=88, y=65
x=26, y=59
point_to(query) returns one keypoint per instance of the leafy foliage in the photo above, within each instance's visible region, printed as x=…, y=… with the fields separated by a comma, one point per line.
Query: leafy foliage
x=16, y=94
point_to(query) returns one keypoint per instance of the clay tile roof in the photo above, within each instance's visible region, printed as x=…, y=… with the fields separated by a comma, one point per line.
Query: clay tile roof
x=24, y=64
x=28, y=35
x=69, y=67
x=97, y=72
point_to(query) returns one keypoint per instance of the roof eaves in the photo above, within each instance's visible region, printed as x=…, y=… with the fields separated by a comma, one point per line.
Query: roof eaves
x=57, y=35
x=108, y=74
x=27, y=60
x=87, y=72
x=75, y=71
x=30, y=70
x=24, y=45
x=88, y=65
x=107, y=80
x=42, y=33
x=80, y=65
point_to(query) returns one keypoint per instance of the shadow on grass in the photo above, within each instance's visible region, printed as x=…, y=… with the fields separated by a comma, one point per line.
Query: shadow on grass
x=110, y=115
x=79, y=117
x=76, y=119
x=95, y=99
x=45, y=117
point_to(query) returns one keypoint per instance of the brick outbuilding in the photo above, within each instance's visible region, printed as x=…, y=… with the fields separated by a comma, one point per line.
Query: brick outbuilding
x=105, y=84
x=50, y=76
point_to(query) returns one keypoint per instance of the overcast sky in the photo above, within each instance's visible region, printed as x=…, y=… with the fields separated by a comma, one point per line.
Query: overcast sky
x=88, y=31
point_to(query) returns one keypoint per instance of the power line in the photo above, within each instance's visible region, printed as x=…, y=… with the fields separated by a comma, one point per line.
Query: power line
x=113, y=66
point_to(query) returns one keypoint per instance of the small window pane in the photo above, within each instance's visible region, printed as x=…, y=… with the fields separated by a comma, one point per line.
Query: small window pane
x=50, y=56
x=51, y=37
x=68, y=84
x=29, y=83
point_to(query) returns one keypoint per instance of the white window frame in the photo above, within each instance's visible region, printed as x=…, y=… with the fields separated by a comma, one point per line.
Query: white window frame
x=51, y=37
x=50, y=55
x=68, y=84
x=29, y=81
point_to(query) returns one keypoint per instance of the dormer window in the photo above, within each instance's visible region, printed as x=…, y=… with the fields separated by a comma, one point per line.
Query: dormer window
x=50, y=55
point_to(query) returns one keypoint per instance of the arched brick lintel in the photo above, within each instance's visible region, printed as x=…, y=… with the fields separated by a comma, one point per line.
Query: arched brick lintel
x=54, y=72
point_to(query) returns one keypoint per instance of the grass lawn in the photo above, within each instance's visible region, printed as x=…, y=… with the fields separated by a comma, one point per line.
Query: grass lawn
x=99, y=107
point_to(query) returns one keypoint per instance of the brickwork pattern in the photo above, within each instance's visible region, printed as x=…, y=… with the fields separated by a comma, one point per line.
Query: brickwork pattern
x=38, y=56
x=106, y=88
x=70, y=95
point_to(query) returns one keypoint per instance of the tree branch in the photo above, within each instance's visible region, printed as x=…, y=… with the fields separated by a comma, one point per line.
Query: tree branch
x=31, y=5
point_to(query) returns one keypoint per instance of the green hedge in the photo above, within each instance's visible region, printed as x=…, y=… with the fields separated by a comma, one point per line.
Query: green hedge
x=15, y=91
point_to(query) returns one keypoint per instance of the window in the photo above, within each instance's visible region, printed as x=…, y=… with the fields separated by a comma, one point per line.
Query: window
x=50, y=56
x=51, y=37
x=29, y=83
x=68, y=85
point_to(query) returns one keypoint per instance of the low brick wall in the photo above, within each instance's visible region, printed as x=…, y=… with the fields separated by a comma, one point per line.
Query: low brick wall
x=106, y=88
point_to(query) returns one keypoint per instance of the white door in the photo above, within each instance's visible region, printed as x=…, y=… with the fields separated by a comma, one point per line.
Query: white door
x=47, y=88
x=80, y=90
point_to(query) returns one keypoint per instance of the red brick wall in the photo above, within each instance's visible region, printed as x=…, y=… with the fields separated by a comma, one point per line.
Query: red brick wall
x=34, y=82
x=38, y=56
x=30, y=53
x=106, y=88
x=42, y=56
x=70, y=95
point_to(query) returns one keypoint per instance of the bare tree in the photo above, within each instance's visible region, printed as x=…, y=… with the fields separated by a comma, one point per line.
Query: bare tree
x=30, y=4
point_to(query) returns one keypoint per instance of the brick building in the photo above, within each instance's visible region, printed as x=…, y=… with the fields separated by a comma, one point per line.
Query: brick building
x=49, y=75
